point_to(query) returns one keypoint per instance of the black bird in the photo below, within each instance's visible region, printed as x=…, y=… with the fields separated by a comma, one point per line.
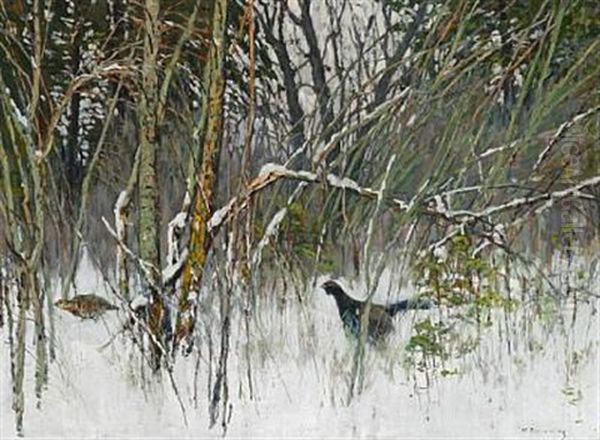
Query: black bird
x=380, y=316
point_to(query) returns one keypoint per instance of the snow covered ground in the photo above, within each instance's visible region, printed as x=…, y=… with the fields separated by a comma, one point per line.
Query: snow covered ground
x=547, y=387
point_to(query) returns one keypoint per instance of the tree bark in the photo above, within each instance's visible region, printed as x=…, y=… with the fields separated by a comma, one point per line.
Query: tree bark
x=149, y=238
x=206, y=186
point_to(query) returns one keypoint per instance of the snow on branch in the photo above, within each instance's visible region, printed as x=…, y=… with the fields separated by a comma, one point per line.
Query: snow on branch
x=491, y=151
x=549, y=198
x=272, y=172
x=146, y=266
x=560, y=132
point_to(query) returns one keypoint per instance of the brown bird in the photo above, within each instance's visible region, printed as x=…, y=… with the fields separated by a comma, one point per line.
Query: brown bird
x=85, y=306
x=380, y=316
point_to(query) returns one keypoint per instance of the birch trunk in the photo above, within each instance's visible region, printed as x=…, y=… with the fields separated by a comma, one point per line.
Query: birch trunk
x=149, y=237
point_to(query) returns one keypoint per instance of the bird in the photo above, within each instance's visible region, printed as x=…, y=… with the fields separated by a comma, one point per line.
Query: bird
x=88, y=306
x=380, y=316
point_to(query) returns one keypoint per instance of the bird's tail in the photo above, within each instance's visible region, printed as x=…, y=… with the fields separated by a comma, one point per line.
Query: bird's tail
x=408, y=304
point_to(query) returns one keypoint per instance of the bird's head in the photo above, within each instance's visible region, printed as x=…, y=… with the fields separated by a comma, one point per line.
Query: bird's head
x=331, y=287
x=63, y=304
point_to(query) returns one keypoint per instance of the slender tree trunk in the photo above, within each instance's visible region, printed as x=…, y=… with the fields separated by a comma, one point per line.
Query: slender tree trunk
x=317, y=68
x=272, y=26
x=149, y=237
x=206, y=184
x=220, y=391
x=3, y=292
x=41, y=358
x=246, y=237
x=24, y=193
x=19, y=361
x=72, y=165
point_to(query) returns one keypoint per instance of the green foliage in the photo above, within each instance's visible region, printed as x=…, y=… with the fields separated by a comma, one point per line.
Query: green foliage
x=428, y=339
x=463, y=282
x=459, y=277
x=300, y=230
x=300, y=235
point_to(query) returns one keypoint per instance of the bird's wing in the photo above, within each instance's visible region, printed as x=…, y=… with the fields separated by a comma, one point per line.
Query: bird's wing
x=100, y=301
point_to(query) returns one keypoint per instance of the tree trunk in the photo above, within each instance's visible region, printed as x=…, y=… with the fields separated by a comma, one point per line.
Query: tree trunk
x=19, y=363
x=149, y=238
x=211, y=134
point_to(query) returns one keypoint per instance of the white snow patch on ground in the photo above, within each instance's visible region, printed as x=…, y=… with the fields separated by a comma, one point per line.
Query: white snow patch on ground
x=301, y=364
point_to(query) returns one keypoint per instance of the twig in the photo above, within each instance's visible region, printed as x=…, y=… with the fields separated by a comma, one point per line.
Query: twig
x=560, y=132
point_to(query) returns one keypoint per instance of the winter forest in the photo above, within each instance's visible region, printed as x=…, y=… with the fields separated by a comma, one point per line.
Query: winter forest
x=299, y=218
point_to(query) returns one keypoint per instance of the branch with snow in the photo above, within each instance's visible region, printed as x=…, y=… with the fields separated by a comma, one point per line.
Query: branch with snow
x=548, y=198
x=273, y=226
x=174, y=230
x=144, y=265
x=271, y=173
x=560, y=133
x=433, y=205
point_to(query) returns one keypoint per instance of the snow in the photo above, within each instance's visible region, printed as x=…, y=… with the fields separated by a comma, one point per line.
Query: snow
x=138, y=302
x=270, y=232
x=301, y=365
x=272, y=168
